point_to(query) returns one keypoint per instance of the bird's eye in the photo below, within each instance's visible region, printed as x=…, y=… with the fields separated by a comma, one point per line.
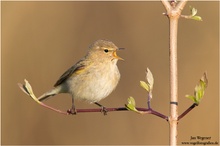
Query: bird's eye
x=106, y=50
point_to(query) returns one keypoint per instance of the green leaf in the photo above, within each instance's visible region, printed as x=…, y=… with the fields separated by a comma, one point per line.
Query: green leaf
x=145, y=85
x=193, y=15
x=191, y=97
x=131, y=104
x=204, y=80
x=197, y=18
x=27, y=89
x=199, y=90
x=150, y=79
x=193, y=11
x=199, y=93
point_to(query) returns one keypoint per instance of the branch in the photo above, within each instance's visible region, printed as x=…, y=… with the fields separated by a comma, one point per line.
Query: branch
x=27, y=89
x=193, y=12
x=141, y=110
x=187, y=111
x=166, y=5
x=172, y=8
x=173, y=13
x=181, y=5
x=199, y=92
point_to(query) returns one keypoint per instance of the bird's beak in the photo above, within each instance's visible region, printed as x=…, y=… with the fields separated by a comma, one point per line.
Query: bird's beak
x=116, y=56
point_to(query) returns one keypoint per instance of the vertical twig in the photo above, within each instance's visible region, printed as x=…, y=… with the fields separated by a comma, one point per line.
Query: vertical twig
x=173, y=13
x=173, y=81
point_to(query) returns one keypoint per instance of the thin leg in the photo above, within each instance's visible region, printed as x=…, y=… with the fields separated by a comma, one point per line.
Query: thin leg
x=104, y=110
x=73, y=109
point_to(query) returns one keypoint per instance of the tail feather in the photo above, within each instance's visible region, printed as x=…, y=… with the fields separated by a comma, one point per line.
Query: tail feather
x=48, y=94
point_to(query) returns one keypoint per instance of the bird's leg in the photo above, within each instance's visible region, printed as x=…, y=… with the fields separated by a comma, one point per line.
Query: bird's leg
x=104, y=110
x=73, y=109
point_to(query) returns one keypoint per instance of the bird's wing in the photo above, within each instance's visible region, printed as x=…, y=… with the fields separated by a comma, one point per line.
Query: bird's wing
x=79, y=66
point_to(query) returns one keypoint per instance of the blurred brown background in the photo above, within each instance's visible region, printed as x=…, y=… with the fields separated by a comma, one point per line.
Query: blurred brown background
x=40, y=40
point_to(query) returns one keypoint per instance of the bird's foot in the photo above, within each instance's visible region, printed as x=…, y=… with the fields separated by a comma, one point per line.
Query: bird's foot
x=72, y=111
x=104, y=110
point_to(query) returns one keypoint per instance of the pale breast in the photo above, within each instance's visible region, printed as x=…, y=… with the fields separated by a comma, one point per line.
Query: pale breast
x=94, y=84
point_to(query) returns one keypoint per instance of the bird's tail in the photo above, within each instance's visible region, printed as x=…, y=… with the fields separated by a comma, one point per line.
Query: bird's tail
x=49, y=94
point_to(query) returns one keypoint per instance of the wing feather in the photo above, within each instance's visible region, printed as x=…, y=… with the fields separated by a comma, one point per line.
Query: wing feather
x=77, y=67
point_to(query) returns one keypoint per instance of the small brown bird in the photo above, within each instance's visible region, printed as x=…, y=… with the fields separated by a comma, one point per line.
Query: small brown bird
x=92, y=78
